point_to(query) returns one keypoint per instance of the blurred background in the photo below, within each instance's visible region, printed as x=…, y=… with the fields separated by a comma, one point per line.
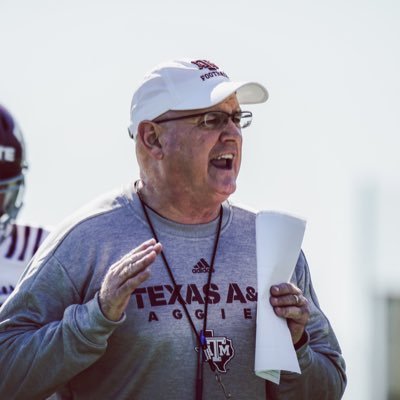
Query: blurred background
x=324, y=147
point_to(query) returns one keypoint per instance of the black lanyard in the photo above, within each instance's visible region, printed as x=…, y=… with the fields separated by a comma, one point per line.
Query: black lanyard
x=203, y=353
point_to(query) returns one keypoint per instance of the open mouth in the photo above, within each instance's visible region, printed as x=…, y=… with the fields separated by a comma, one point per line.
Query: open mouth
x=224, y=161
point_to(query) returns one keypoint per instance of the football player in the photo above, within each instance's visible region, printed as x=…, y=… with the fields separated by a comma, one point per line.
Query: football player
x=18, y=242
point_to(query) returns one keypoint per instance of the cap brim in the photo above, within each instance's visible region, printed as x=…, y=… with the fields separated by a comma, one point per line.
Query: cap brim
x=247, y=93
x=252, y=93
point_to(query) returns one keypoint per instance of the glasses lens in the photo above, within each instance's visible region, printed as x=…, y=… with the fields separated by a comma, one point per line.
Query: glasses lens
x=215, y=120
x=219, y=119
x=245, y=119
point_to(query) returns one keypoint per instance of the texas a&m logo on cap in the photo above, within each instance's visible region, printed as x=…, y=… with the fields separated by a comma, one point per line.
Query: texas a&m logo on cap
x=205, y=64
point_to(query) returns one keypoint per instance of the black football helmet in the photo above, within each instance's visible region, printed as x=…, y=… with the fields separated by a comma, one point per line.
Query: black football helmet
x=13, y=167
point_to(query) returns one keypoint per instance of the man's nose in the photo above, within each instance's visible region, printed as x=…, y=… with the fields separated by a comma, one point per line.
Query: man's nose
x=231, y=132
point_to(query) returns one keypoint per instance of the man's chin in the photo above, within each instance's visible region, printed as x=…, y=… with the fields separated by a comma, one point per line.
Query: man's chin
x=224, y=191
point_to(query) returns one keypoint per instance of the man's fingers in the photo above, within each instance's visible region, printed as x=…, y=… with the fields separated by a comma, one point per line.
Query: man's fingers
x=130, y=260
x=137, y=265
x=284, y=289
x=300, y=314
x=144, y=245
x=133, y=275
x=124, y=277
x=288, y=302
x=287, y=295
x=135, y=281
x=131, y=265
x=297, y=300
x=148, y=244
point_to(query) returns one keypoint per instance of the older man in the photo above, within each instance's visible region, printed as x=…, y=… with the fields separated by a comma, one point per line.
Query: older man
x=105, y=312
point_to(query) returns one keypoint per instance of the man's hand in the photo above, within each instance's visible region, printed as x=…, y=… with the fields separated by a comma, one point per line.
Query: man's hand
x=288, y=302
x=124, y=277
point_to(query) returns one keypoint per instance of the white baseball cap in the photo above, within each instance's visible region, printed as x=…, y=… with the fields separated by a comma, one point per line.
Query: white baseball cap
x=187, y=85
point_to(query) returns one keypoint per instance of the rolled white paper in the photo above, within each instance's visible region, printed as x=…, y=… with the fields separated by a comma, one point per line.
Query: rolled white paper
x=278, y=239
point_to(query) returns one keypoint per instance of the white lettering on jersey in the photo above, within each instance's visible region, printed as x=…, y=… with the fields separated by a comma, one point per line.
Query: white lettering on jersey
x=15, y=253
x=7, y=154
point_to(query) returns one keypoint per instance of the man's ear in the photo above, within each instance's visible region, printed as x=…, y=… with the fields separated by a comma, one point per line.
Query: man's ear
x=148, y=133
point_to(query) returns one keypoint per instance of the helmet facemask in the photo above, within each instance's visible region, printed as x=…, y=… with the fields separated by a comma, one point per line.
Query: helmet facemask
x=11, y=195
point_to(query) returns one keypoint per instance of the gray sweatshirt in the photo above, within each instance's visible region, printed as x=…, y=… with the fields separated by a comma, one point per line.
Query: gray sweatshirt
x=54, y=337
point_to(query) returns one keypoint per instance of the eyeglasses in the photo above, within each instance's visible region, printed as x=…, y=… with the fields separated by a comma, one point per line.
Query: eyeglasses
x=211, y=120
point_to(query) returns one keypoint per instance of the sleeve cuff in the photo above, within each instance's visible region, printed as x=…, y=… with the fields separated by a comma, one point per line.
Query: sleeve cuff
x=303, y=341
x=92, y=323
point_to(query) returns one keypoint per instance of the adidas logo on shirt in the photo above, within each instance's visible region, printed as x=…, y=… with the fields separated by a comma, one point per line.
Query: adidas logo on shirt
x=201, y=267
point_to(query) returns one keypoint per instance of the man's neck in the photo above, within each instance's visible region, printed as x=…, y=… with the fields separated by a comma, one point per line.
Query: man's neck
x=181, y=209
